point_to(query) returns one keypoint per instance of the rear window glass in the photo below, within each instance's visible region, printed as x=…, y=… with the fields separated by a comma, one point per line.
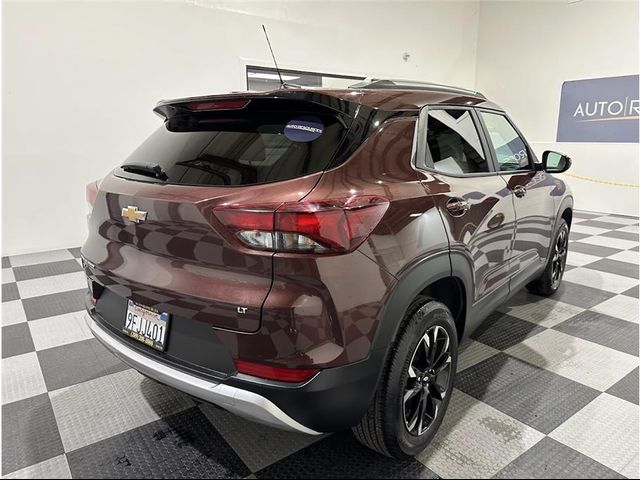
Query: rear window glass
x=238, y=148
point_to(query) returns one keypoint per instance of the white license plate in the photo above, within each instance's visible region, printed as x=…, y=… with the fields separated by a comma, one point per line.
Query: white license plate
x=147, y=325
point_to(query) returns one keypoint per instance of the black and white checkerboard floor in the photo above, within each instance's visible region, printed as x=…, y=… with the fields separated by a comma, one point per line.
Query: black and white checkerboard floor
x=547, y=388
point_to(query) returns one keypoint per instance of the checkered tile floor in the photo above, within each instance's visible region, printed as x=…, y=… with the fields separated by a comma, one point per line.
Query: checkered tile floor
x=546, y=388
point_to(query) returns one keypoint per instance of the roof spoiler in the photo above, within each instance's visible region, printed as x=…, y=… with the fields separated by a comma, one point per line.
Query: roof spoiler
x=237, y=101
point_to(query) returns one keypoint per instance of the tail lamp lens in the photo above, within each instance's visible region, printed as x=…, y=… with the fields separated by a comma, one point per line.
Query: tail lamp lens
x=280, y=374
x=331, y=226
x=91, y=193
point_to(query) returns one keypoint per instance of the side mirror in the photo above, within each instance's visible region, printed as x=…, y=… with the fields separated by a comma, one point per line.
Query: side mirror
x=555, y=162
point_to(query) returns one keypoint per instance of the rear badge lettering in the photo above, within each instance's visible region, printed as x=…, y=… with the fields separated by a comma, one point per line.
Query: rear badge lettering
x=241, y=310
x=304, y=129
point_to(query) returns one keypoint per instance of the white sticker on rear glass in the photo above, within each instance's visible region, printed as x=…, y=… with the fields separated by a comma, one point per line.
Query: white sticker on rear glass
x=304, y=129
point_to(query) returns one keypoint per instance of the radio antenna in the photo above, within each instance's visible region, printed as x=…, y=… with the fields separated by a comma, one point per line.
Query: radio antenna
x=282, y=84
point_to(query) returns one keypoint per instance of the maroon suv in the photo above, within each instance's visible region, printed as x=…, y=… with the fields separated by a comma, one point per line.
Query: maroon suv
x=311, y=259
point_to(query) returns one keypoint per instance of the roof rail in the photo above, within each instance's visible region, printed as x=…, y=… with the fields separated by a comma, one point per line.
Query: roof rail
x=385, y=83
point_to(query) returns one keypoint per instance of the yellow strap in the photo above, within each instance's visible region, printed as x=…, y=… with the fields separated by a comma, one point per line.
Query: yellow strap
x=604, y=182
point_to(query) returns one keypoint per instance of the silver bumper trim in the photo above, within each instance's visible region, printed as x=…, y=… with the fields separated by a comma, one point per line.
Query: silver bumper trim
x=241, y=402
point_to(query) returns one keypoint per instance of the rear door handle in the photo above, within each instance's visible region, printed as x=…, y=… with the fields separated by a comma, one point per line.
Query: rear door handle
x=457, y=207
x=519, y=191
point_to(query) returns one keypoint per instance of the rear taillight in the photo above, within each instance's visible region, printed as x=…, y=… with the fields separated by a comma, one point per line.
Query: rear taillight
x=91, y=193
x=280, y=374
x=328, y=226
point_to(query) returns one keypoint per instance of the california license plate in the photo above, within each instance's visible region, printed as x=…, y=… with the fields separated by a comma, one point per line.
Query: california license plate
x=147, y=325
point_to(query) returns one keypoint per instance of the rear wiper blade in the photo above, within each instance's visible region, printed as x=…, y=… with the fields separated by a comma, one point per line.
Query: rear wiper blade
x=149, y=169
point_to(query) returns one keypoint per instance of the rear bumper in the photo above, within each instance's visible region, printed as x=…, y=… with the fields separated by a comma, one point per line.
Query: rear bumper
x=236, y=400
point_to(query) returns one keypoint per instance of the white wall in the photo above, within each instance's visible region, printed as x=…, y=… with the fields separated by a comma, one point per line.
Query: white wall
x=527, y=49
x=80, y=80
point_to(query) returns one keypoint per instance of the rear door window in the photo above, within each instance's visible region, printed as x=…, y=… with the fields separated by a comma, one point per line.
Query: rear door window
x=237, y=148
x=454, y=143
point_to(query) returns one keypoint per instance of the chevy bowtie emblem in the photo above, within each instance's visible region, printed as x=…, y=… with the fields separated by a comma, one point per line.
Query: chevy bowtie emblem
x=133, y=214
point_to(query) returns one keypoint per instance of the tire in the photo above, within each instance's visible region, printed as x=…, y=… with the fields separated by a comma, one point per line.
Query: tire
x=388, y=425
x=547, y=283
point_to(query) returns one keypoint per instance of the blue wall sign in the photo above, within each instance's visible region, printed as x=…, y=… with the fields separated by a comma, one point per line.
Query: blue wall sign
x=600, y=110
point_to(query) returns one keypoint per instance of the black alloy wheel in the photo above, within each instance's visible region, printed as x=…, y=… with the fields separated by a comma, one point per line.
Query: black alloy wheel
x=427, y=380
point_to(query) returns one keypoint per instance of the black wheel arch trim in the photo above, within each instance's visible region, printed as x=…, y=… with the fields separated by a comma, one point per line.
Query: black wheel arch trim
x=567, y=202
x=410, y=284
x=414, y=280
